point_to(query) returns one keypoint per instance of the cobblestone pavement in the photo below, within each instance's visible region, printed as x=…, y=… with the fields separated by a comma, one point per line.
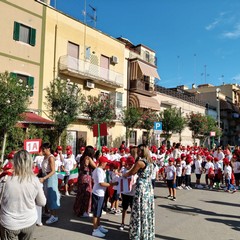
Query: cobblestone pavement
x=196, y=215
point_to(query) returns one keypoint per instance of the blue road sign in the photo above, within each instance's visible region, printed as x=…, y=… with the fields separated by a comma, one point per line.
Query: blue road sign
x=157, y=126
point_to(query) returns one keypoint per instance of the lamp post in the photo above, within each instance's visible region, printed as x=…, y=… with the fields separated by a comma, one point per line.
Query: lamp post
x=218, y=90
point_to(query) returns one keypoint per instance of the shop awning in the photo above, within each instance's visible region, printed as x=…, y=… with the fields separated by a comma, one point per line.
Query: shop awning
x=141, y=101
x=33, y=118
x=148, y=70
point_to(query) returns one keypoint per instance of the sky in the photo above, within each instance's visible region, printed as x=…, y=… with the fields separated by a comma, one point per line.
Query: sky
x=196, y=41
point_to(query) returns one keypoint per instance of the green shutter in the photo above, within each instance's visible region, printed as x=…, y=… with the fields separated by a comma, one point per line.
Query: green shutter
x=31, y=84
x=16, y=31
x=13, y=75
x=32, y=37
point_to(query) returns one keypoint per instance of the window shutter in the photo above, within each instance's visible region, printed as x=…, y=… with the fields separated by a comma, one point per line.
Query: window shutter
x=13, y=75
x=31, y=84
x=16, y=31
x=32, y=37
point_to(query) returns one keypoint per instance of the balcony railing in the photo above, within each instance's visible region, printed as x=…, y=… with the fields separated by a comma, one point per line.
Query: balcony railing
x=88, y=70
x=150, y=59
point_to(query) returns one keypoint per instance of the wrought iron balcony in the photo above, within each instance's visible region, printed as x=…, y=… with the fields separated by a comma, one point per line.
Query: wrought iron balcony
x=143, y=87
x=87, y=70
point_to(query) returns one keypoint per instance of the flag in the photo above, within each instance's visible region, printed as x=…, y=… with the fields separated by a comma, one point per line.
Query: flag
x=73, y=177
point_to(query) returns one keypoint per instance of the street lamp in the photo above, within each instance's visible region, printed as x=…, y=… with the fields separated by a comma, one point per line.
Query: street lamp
x=218, y=90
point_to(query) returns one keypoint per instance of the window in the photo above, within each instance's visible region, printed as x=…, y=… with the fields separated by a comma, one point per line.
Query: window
x=104, y=67
x=73, y=52
x=27, y=80
x=119, y=99
x=147, y=55
x=24, y=34
x=88, y=53
x=133, y=137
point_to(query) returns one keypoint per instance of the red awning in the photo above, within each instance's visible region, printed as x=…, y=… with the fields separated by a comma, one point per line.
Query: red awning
x=33, y=118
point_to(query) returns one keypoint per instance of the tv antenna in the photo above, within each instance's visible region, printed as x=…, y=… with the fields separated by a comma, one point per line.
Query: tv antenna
x=93, y=16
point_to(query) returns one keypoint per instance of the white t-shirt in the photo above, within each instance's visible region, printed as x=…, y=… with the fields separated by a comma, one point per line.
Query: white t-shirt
x=198, y=166
x=208, y=165
x=188, y=169
x=99, y=176
x=228, y=171
x=170, y=170
x=58, y=163
x=155, y=171
x=68, y=164
x=217, y=165
x=38, y=161
x=236, y=167
x=179, y=170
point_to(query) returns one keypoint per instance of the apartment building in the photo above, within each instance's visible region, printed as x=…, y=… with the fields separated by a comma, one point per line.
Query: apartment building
x=226, y=99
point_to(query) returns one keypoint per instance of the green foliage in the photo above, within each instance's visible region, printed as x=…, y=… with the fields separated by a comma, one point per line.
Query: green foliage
x=147, y=119
x=202, y=125
x=64, y=100
x=14, y=100
x=172, y=121
x=99, y=109
x=130, y=118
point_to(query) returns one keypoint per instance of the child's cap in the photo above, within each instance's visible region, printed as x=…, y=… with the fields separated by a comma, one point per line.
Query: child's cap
x=69, y=152
x=154, y=158
x=130, y=160
x=178, y=160
x=55, y=154
x=209, y=157
x=171, y=159
x=216, y=159
x=123, y=159
x=103, y=159
x=68, y=147
x=226, y=160
x=82, y=148
x=8, y=166
x=59, y=147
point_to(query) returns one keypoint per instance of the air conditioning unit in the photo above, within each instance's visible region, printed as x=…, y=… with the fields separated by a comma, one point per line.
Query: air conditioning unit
x=114, y=60
x=89, y=84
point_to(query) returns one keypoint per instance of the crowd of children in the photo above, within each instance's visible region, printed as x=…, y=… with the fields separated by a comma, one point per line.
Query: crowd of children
x=174, y=165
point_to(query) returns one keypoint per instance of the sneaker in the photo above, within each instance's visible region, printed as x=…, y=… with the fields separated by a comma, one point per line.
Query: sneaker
x=121, y=227
x=112, y=210
x=66, y=193
x=206, y=186
x=174, y=199
x=234, y=190
x=52, y=219
x=169, y=197
x=180, y=187
x=200, y=186
x=85, y=214
x=189, y=187
x=102, y=229
x=117, y=212
x=39, y=224
x=103, y=212
x=97, y=233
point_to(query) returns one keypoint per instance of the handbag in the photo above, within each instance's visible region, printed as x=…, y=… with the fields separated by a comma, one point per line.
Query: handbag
x=2, y=187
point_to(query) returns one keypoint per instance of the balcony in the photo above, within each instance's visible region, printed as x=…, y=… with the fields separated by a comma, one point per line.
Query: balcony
x=142, y=87
x=85, y=70
x=143, y=56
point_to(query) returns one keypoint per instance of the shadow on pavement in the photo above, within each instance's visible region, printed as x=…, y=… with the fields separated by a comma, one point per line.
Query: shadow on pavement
x=194, y=211
x=223, y=203
x=231, y=223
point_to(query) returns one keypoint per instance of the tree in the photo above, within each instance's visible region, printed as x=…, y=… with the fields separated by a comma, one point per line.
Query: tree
x=99, y=109
x=14, y=100
x=147, y=119
x=172, y=122
x=65, y=101
x=197, y=123
x=202, y=125
x=129, y=118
